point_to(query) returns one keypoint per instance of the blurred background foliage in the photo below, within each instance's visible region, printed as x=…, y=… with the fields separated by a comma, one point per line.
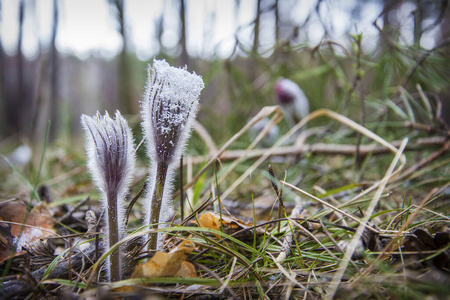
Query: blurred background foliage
x=349, y=56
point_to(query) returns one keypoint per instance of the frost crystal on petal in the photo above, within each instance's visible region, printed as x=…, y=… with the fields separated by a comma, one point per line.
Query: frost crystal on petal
x=169, y=109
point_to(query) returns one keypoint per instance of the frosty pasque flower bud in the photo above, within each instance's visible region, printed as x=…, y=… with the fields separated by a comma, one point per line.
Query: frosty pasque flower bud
x=111, y=159
x=168, y=112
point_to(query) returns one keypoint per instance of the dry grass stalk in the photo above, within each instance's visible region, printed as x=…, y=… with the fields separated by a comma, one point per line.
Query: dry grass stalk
x=390, y=173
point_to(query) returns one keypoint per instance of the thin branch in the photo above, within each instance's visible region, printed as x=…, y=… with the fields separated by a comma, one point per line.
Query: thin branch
x=327, y=149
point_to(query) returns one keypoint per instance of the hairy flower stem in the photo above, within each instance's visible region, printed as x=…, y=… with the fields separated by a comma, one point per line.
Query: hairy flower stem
x=111, y=159
x=114, y=237
x=155, y=210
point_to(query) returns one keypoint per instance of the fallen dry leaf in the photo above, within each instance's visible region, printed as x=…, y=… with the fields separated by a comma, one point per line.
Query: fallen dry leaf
x=211, y=220
x=40, y=223
x=172, y=264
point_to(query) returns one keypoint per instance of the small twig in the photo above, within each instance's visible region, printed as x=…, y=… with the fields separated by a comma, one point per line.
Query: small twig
x=327, y=149
x=74, y=209
x=427, y=128
x=181, y=189
x=130, y=206
x=279, y=193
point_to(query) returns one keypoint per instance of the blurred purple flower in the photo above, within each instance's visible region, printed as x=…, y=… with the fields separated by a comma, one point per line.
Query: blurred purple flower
x=292, y=100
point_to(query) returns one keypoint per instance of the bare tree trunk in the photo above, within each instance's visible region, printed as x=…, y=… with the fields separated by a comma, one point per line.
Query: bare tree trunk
x=390, y=31
x=252, y=63
x=17, y=107
x=184, y=54
x=256, y=28
x=418, y=16
x=277, y=22
x=2, y=90
x=159, y=29
x=54, y=101
x=124, y=84
x=445, y=22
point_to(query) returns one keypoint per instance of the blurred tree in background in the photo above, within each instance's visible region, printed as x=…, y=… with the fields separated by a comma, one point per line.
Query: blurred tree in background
x=317, y=44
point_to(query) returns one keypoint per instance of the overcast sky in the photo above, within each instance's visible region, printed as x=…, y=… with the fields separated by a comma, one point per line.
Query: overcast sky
x=89, y=26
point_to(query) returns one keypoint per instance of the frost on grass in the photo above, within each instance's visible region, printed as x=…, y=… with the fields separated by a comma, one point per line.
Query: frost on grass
x=168, y=112
x=169, y=109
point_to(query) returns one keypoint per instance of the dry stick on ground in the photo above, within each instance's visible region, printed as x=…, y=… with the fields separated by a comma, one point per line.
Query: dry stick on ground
x=327, y=149
x=20, y=288
x=74, y=209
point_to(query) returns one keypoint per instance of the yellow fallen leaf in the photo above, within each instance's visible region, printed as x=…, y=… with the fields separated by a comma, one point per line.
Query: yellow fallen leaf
x=172, y=264
x=187, y=270
x=208, y=220
x=212, y=220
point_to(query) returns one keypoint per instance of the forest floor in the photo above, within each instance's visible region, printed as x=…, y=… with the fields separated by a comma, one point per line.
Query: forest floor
x=362, y=218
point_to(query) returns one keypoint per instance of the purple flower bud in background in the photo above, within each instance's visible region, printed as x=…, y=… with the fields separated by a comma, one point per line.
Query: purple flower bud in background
x=292, y=100
x=168, y=112
x=111, y=160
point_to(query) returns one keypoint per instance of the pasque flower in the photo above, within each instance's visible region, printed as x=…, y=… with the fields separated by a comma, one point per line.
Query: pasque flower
x=111, y=160
x=292, y=100
x=168, y=112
